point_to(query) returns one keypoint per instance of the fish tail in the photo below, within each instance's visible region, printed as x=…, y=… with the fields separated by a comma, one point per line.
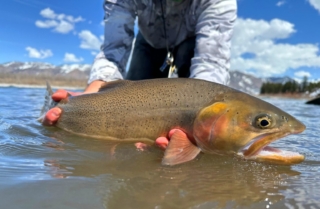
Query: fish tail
x=48, y=102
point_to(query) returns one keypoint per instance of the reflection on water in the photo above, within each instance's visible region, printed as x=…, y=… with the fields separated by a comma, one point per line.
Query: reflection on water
x=44, y=167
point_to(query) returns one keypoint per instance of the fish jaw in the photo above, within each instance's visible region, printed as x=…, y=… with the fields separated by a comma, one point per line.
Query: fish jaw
x=275, y=156
x=258, y=149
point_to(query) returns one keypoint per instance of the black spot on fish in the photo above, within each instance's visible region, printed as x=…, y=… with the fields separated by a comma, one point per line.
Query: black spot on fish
x=284, y=118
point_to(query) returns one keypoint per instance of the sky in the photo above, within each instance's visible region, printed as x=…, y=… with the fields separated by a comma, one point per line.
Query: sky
x=271, y=37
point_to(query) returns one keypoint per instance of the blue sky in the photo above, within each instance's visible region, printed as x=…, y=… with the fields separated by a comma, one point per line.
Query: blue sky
x=271, y=38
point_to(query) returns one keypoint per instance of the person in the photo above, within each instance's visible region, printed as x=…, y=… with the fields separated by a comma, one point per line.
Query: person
x=196, y=32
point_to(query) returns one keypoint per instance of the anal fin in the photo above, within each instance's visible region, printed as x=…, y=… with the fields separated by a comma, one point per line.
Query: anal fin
x=180, y=149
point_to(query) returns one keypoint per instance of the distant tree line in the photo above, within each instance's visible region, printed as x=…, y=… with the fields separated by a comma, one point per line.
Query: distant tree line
x=289, y=87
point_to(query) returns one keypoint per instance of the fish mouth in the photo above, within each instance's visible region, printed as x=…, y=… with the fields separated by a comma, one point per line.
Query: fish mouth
x=258, y=150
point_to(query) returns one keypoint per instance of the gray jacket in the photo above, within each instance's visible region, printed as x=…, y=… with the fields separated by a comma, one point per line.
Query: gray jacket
x=211, y=21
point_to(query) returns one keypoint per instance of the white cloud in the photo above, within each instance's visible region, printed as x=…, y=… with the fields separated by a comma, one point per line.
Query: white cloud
x=60, y=23
x=48, y=13
x=69, y=57
x=89, y=40
x=46, y=23
x=101, y=37
x=302, y=74
x=39, y=54
x=72, y=19
x=315, y=4
x=259, y=39
x=280, y=3
x=64, y=27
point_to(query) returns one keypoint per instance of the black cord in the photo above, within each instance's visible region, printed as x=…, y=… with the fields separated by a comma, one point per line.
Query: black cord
x=164, y=24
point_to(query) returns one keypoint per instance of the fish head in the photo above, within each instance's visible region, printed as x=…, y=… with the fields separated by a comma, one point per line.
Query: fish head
x=245, y=125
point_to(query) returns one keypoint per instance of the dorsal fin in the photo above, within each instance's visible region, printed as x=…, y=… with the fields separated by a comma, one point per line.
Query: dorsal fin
x=114, y=84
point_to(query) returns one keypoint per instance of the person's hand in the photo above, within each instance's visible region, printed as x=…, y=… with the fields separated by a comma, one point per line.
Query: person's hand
x=53, y=114
x=161, y=142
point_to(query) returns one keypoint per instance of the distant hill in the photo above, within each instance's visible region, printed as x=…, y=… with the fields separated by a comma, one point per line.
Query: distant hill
x=37, y=73
x=77, y=71
x=245, y=82
x=77, y=74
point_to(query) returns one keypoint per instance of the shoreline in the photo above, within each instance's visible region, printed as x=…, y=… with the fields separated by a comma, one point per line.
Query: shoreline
x=288, y=96
x=5, y=85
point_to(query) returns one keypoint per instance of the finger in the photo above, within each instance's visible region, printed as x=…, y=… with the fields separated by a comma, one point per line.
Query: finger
x=74, y=93
x=162, y=142
x=171, y=132
x=63, y=94
x=141, y=146
x=52, y=116
x=59, y=95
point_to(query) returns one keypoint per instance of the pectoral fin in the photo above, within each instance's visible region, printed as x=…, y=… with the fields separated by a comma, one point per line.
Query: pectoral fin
x=179, y=150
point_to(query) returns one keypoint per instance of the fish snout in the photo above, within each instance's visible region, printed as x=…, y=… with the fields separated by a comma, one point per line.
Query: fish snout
x=297, y=127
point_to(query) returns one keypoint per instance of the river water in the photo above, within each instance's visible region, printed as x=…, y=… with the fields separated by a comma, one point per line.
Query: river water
x=44, y=167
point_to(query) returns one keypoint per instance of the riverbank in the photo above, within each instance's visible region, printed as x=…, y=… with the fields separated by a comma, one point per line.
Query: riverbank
x=30, y=81
x=41, y=86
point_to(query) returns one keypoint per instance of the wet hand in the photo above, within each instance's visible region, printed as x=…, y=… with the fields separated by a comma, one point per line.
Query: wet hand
x=53, y=114
x=161, y=142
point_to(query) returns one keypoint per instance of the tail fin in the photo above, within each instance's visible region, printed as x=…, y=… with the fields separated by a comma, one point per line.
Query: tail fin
x=48, y=103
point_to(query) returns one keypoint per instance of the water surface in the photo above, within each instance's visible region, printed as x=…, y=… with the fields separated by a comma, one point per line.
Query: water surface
x=44, y=167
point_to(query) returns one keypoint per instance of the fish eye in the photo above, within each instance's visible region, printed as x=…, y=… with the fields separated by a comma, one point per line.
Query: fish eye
x=263, y=121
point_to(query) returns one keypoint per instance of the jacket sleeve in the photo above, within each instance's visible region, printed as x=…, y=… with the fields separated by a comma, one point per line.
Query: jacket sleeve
x=110, y=63
x=214, y=28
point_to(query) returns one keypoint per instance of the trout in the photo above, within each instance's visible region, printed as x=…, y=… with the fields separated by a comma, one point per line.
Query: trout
x=216, y=119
